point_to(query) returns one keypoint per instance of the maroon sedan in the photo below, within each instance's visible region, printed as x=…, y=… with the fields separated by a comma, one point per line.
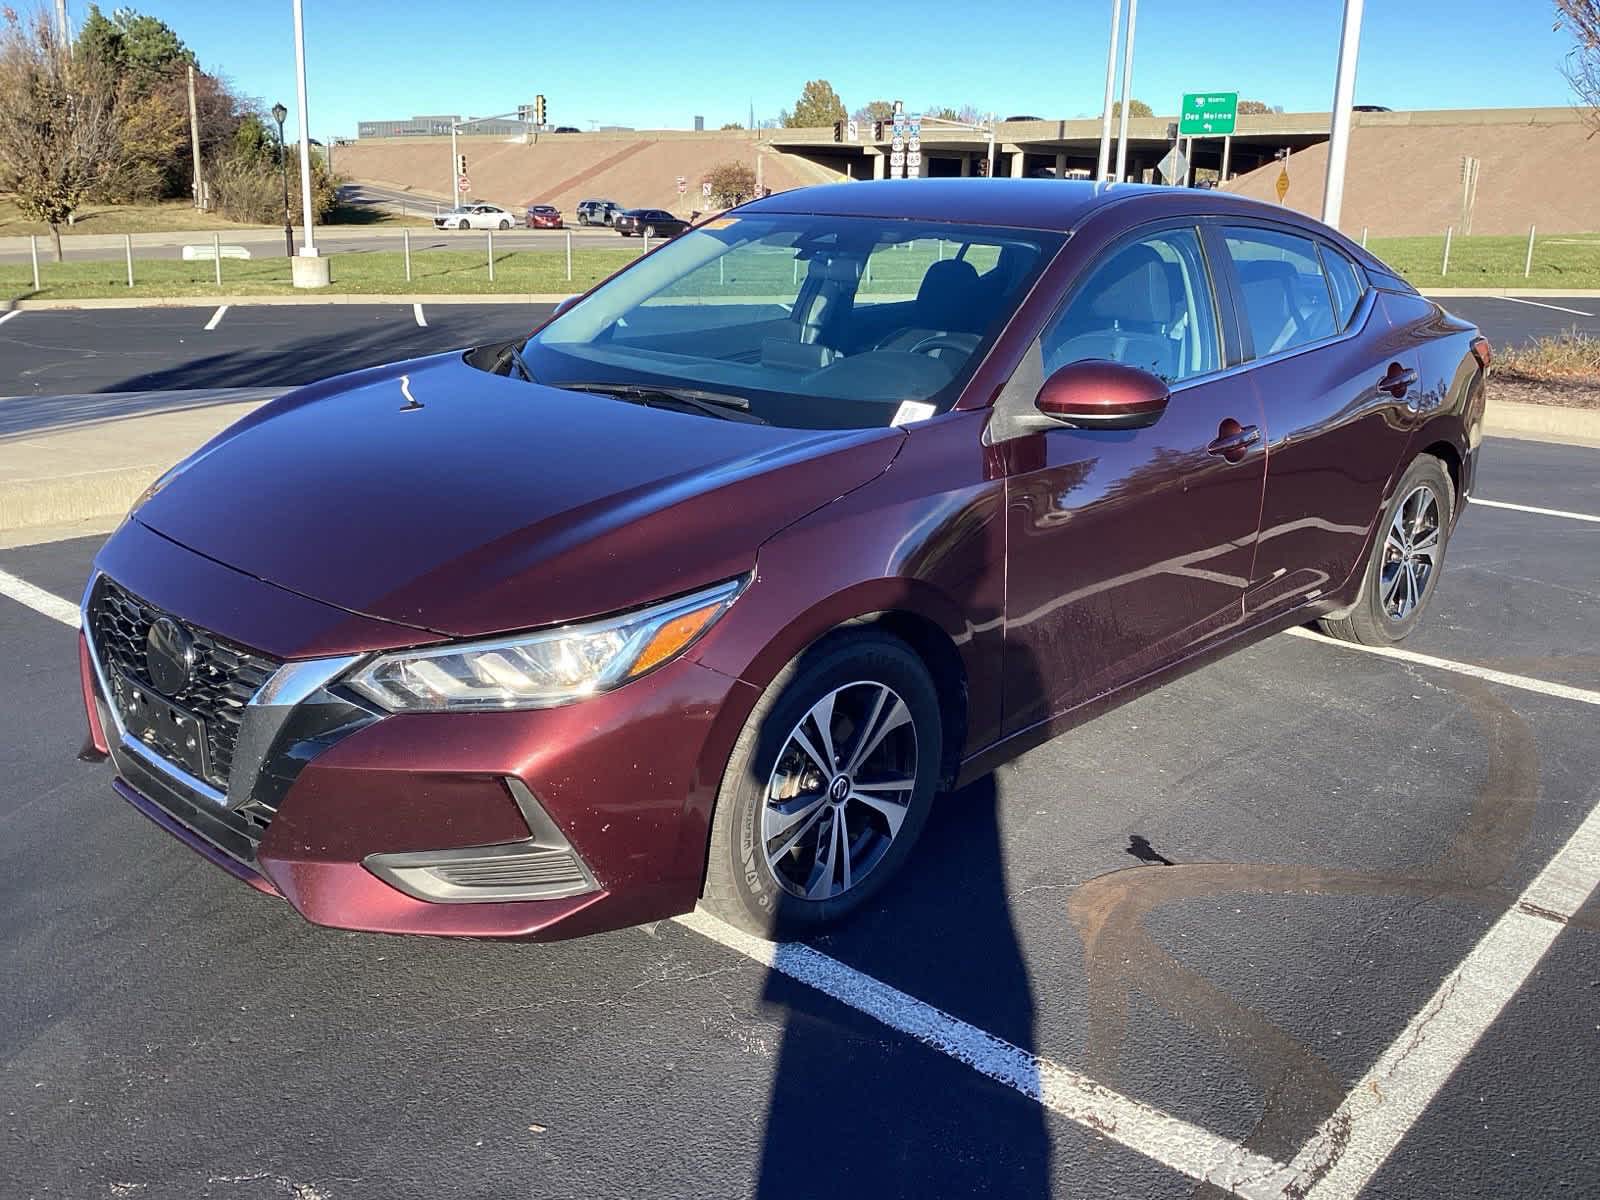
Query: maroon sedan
x=543, y=216
x=703, y=592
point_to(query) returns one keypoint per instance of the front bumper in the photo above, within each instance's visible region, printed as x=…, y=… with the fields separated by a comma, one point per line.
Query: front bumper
x=567, y=821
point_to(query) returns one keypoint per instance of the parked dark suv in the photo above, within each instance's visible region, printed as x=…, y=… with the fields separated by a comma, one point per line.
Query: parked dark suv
x=596, y=212
x=705, y=590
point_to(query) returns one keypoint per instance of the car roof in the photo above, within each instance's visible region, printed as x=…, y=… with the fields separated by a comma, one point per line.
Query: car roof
x=1054, y=204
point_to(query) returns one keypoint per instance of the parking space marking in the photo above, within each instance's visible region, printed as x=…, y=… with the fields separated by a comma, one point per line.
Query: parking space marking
x=38, y=599
x=1531, y=508
x=416, y=311
x=1526, y=683
x=1577, y=312
x=6, y=316
x=1174, y=1143
x=1380, y=1110
x=216, y=318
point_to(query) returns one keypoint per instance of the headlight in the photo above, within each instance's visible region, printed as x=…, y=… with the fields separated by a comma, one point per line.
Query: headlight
x=545, y=669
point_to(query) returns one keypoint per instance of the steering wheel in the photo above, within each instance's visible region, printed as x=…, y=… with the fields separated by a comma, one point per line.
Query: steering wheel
x=964, y=342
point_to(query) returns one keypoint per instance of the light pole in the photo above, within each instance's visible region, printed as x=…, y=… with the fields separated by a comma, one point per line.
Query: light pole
x=1344, y=92
x=1127, y=94
x=310, y=268
x=1104, y=168
x=280, y=114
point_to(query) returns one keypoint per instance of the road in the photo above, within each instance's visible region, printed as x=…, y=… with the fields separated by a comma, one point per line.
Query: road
x=1345, y=833
x=1343, y=830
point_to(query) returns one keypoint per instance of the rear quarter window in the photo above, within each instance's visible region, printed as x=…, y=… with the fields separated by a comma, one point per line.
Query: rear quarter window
x=1346, y=284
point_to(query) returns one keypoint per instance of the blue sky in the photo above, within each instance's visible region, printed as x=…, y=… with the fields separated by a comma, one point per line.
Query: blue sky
x=369, y=60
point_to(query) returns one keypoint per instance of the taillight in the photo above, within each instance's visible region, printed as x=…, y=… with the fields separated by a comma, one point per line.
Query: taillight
x=1482, y=351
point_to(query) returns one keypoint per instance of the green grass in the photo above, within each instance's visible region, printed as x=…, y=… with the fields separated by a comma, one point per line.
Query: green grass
x=1559, y=261
x=433, y=272
x=165, y=217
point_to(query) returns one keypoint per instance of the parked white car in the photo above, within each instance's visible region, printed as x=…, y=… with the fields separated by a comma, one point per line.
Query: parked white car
x=475, y=216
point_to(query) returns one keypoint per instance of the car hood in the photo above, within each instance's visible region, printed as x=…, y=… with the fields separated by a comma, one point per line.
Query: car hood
x=436, y=495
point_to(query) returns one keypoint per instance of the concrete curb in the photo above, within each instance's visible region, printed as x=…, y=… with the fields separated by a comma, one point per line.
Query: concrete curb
x=69, y=498
x=1542, y=422
x=240, y=301
x=1502, y=292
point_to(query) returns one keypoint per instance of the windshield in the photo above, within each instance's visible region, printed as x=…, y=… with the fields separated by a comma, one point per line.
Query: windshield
x=819, y=322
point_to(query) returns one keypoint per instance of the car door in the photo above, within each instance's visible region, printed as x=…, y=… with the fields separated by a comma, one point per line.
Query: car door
x=1128, y=549
x=1337, y=381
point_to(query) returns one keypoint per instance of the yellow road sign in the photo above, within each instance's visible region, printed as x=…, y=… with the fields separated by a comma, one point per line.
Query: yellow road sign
x=1283, y=183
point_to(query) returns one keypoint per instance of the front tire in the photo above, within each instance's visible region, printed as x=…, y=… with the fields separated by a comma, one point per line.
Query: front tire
x=464, y=224
x=1406, y=559
x=504, y=224
x=827, y=789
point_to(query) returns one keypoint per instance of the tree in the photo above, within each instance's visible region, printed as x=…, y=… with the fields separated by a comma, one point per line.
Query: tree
x=58, y=135
x=1136, y=108
x=874, y=110
x=1581, y=18
x=734, y=125
x=1249, y=108
x=732, y=183
x=967, y=114
x=819, y=105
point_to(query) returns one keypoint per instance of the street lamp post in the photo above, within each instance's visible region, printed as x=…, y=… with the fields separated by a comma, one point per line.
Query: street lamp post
x=281, y=114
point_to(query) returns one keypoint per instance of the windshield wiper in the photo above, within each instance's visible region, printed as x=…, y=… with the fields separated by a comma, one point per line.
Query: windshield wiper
x=714, y=404
x=512, y=357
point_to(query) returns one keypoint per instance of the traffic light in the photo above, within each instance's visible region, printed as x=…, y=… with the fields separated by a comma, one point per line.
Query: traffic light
x=877, y=131
x=538, y=109
x=983, y=166
x=838, y=131
x=461, y=164
x=524, y=113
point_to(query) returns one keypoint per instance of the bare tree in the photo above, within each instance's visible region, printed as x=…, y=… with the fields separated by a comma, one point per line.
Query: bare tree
x=731, y=182
x=1581, y=18
x=58, y=134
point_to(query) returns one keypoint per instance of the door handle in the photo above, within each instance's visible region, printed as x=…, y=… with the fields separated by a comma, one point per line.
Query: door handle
x=1398, y=381
x=1233, y=440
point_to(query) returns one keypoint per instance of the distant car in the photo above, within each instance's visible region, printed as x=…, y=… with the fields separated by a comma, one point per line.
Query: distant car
x=648, y=222
x=1370, y=108
x=544, y=216
x=597, y=212
x=565, y=129
x=475, y=216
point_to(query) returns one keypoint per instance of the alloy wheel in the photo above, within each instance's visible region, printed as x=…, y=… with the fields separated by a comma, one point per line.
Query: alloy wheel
x=1410, y=554
x=840, y=790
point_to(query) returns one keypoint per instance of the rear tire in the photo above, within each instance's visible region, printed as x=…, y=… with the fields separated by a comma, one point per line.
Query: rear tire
x=650, y=231
x=776, y=835
x=1407, y=556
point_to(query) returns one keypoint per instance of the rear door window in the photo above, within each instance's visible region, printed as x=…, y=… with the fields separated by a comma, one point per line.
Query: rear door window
x=1285, y=294
x=1345, y=282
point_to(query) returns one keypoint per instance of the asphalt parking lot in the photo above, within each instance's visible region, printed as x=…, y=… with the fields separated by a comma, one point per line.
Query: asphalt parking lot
x=1289, y=924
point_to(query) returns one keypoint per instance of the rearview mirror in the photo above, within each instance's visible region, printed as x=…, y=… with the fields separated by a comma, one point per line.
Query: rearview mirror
x=1097, y=393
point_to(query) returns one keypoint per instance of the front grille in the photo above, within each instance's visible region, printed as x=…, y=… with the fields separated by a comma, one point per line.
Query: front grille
x=224, y=677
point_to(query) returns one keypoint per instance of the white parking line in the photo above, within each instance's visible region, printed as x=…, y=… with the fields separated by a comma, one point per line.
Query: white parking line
x=38, y=599
x=1544, y=687
x=1381, y=1109
x=4, y=317
x=1577, y=312
x=1174, y=1143
x=1530, y=508
x=216, y=318
x=416, y=311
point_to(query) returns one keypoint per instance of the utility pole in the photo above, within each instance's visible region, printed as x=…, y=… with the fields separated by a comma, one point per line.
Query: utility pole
x=1344, y=93
x=194, y=140
x=1111, y=83
x=62, y=28
x=1127, y=94
x=308, y=248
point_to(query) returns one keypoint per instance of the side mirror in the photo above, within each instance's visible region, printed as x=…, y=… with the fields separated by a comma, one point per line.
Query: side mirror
x=563, y=306
x=1097, y=393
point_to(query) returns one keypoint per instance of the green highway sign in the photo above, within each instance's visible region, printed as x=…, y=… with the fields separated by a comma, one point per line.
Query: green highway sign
x=1207, y=114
